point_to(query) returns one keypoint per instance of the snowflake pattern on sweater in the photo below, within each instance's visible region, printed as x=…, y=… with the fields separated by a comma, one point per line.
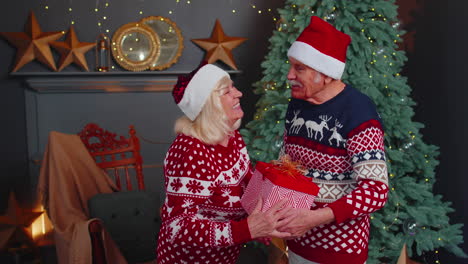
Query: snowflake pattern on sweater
x=341, y=143
x=203, y=220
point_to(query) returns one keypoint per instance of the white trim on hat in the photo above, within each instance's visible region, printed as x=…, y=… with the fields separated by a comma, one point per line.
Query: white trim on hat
x=199, y=89
x=317, y=60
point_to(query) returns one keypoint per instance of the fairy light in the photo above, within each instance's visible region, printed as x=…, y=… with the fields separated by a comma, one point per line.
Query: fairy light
x=70, y=12
x=101, y=16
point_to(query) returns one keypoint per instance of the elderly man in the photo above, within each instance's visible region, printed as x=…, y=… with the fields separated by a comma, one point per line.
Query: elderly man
x=336, y=133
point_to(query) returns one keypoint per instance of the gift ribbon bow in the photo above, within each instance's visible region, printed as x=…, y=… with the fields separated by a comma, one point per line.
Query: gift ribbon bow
x=289, y=167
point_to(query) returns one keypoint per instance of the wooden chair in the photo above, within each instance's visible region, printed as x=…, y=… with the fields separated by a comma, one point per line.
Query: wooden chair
x=115, y=153
x=120, y=157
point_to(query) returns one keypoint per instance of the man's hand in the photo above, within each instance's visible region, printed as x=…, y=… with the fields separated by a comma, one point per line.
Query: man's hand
x=264, y=224
x=298, y=221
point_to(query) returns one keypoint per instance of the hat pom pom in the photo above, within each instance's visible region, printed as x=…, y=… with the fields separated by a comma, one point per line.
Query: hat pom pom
x=182, y=82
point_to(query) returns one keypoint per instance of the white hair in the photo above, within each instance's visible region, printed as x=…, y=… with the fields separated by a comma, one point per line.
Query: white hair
x=211, y=125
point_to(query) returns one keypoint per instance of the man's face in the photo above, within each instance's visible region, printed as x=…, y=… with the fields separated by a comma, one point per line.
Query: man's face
x=306, y=83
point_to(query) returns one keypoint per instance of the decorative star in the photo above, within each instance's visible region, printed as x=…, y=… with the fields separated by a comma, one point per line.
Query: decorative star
x=219, y=46
x=404, y=259
x=14, y=224
x=72, y=50
x=32, y=44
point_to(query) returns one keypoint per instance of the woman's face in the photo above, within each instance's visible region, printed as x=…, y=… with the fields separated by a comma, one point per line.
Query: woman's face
x=230, y=100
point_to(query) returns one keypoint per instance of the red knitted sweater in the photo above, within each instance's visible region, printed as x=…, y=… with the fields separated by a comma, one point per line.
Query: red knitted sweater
x=203, y=220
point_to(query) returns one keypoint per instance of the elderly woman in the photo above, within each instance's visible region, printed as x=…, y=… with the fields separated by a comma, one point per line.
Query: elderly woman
x=206, y=170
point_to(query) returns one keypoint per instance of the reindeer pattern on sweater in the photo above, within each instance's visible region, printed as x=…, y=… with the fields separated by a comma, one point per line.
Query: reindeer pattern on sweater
x=341, y=143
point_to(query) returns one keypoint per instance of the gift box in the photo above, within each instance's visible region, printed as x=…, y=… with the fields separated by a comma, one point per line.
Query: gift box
x=277, y=181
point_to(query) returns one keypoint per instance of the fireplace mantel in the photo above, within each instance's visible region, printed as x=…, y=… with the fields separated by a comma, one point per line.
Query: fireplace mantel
x=101, y=82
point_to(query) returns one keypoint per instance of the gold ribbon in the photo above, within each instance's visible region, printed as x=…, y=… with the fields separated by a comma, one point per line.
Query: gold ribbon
x=289, y=167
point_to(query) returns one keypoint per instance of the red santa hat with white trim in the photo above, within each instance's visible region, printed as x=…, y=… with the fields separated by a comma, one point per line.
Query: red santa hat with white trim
x=192, y=91
x=321, y=47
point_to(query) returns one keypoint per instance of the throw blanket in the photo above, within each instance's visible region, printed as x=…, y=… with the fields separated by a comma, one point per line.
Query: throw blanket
x=68, y=178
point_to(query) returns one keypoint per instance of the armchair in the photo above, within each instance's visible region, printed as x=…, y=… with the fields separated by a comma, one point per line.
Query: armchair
x=130, y=216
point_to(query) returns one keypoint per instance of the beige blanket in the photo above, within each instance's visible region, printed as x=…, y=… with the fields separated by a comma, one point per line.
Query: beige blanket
x=68, y=178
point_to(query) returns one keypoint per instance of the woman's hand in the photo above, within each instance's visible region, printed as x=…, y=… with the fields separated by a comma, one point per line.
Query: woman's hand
x=298, y=221
x=264, y=224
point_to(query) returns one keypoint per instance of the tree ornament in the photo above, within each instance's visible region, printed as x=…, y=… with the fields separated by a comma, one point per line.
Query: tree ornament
x=330, y=18
x=410, y=227
x=380, y=50
x=277, y=144
x=219, y=46
x=282, y=25
x=32, y=44
x=407, y=144
x=268, y=85
x=72, y=50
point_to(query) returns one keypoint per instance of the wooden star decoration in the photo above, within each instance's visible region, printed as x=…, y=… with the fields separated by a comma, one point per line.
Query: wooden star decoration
x=219, y=46
x=404, y=259
x=14, y=224
x=32, y=44
x=72, y=50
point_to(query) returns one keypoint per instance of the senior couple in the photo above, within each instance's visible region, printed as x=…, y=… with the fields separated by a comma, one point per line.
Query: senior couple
x=207, y=167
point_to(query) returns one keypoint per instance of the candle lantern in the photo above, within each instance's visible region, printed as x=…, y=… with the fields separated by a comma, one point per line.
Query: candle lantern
x=102, y=53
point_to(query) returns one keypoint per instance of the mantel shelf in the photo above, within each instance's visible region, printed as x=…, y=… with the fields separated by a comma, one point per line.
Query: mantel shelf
x=101, y=82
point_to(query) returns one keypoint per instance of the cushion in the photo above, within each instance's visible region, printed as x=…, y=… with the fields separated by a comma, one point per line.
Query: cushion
x=132, y=219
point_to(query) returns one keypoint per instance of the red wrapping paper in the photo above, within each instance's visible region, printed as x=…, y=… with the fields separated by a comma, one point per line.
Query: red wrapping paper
x=274, y=182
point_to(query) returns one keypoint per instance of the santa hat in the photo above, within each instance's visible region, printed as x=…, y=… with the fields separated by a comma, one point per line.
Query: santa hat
x=191, y=91
x=321, y=47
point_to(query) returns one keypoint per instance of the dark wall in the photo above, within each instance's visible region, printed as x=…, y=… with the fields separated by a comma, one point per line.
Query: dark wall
x=437, y=72
x=196, y=20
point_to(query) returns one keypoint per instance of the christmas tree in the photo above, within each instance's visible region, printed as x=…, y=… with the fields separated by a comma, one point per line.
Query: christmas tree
x=413, y=215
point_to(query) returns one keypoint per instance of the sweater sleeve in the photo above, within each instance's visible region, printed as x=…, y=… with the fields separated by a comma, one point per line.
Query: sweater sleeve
x=365, y=145
x=189, y=185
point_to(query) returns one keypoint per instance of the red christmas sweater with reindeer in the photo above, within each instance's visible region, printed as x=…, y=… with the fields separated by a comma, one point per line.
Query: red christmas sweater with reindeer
x=202, y=217
x=341, y=143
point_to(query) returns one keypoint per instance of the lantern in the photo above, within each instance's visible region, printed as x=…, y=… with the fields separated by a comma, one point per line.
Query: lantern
x=102, y=53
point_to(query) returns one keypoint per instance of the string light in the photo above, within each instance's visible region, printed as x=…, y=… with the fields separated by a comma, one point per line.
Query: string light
x=70, y=12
